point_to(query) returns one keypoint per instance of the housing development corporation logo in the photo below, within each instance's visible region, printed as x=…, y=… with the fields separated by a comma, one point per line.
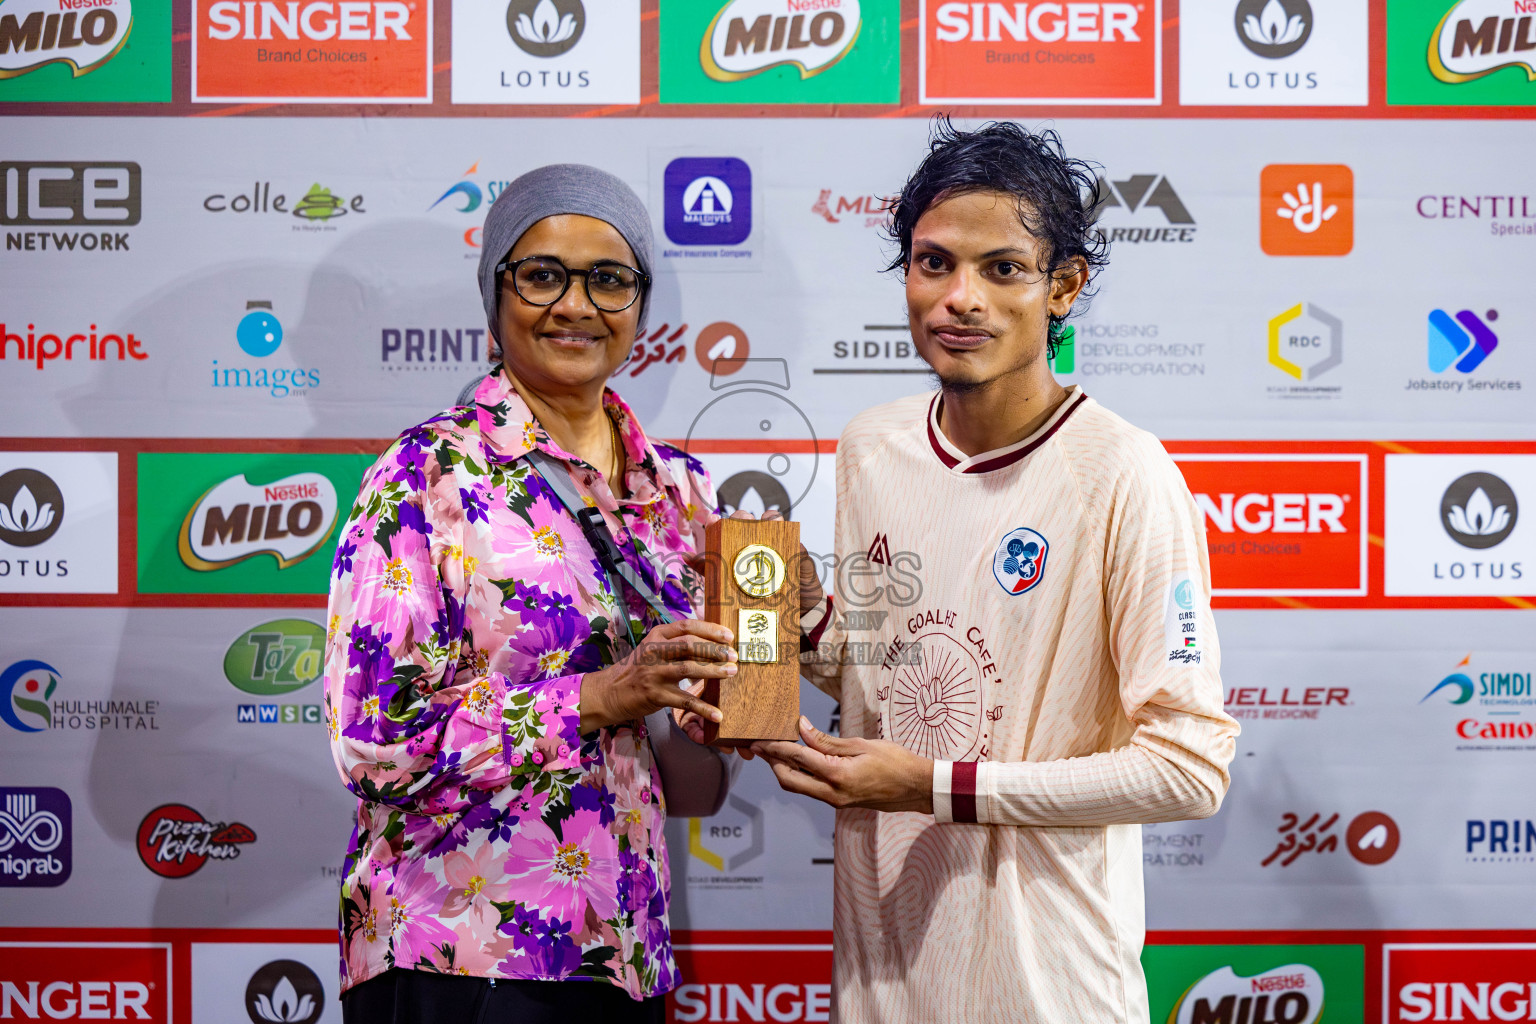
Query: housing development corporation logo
x=31, y=508
x=36, y=33
x=1136, y=195
x=35, y=839
x=284, y=992
x=175, y=841
x=708, y=201
x=748, y=37
x=289, y=519
x=1307, y=210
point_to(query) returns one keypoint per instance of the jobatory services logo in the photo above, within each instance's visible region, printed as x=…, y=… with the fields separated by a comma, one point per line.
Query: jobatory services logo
x=1211, y=984
x=1506, y=215
x=547, y=51
x=28, y=689
x=284, y=992
x=31, y=508
x=1307, y=210
x=85, y=51
x=1305, y=342
x=1453, y=524
x=323, y=51
x=1134, y=198
x=780, y=51
x=74, y=981
x=104, y=195
x=1457, y=981
x=1458, y=346
x=175, y=841
x=1078, y=53
x=48, y=542
x=259, y=334
x=708, y=201
x=1274, y=53
x=1468, y=52
x=35, y=837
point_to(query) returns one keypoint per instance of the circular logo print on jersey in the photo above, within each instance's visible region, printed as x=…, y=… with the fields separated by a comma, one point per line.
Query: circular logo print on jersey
x=1273, y=28
x=545, y=28
x=936, y=700
x=1019, y=561
x=284, y=992
x=1372, y=838
x=31, y=508
x=1479, y=510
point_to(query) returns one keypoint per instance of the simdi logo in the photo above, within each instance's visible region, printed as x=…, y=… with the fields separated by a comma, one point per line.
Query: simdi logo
x=747, y=37
x=318, y=51
x=51, y=981
x=54, y=195
x=83, y=34
x=289, y=519
x=1459, y=981
x=1040, y=52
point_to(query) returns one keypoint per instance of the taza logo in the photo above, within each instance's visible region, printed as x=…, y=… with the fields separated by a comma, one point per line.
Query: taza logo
x=1273, y=29
x=1476, y=37
x=747, y=37
x=175, y=841
x=276, y=657
x=545, y=28
x=1463, y=342
x=1019, y=561
x=284, y=992
x=31, y=508
x=289, y=519
x=35, y=33
x=1479, y=510
x=1292, y=994
x=34, y=837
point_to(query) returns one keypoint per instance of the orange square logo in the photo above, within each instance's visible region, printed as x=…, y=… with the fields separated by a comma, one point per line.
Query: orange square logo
x=318, y=51
x=1059, y=53
x=1307, y=209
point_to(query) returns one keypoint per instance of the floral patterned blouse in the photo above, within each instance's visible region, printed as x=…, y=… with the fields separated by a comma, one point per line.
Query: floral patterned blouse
x=492, y=838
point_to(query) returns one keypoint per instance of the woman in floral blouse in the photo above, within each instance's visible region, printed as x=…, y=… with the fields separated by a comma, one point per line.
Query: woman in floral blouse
x=483, y=703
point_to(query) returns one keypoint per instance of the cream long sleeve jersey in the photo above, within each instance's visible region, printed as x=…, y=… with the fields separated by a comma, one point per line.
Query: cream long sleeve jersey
x=1037, y=621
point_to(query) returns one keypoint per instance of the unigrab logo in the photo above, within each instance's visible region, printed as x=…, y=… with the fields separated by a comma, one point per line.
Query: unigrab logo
x=748, y=37
x=36, y=33
x=289, y=519
x=1478, y=37
x=34, y=838
x=1291, y=994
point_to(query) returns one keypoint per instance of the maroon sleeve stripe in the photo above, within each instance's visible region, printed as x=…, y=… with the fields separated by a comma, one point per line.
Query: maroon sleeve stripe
x=810, y=641
x=962, y=791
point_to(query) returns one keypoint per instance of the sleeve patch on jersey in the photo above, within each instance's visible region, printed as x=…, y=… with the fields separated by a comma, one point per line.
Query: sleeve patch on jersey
x=1181, y=621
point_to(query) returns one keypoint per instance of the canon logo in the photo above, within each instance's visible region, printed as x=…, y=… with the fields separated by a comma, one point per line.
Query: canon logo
x=68, y=1000
x=1274, y=513
x=317, y=20
x=1456, y=1000
x=1041, y=22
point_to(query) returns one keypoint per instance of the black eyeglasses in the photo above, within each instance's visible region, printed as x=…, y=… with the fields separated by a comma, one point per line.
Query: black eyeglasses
x=543, y=280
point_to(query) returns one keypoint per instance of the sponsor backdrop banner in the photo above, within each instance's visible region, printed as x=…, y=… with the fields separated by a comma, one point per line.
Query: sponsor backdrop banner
x=1319, y=224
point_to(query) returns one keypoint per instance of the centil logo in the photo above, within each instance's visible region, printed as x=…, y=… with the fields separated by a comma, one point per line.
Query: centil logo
x=748, y=37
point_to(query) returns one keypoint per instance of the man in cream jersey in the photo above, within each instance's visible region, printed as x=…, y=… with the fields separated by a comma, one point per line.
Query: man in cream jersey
x=1055, y=683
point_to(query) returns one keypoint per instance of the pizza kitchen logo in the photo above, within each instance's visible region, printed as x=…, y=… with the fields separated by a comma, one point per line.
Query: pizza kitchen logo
x=235, y=520
x=748, y=37
x=176, y=841
x=83, y=34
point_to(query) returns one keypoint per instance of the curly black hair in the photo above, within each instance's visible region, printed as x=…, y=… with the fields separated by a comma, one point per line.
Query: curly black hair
x=1056, y=195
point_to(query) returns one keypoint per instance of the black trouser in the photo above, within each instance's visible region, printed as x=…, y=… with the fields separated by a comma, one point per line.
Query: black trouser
x=418, y=997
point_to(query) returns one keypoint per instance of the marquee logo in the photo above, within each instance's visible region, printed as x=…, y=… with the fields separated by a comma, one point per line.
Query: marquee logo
x=747, y=37
x=31, y=508
x=1479, y=37
x=1292, y=994
x=1137, y=194
x=1479, y=510
x=545, y=28
x=35, y=33
x=289, y=519
x=175, y=841
x=35, y=840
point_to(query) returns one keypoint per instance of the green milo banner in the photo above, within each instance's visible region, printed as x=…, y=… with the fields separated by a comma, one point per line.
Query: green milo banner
x=1248, y=984
x=107, y=51
x=242, y=524
x=780, y=51
x=1460, y=53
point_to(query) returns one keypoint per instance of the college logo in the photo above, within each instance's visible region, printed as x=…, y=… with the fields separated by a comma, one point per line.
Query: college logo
x=1479, y=510
x=289, y=519
x=1307, y=210
x=708, y=201
x=1019, y=561
x=1039, y=52
x=175, y=841
x=316, y=207
x=35, y=33
x=1458, y=981
x=284, y=992
x=1463, y=342
x=31, y=508
x=544, y=28
x=323, y=51
x=1306, y=341
x=1292, y=994
x=747, y=37
x=34, y=837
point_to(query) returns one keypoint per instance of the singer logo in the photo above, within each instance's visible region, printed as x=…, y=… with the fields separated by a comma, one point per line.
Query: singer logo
x=1281, y=525
x=781, y=982
x=235, y=520
x=1039, y=52
x=1456, y=981
x=318, y=51
x=85, y=981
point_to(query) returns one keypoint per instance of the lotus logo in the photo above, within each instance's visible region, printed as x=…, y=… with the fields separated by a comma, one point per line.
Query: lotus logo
x=547, y=28
x=284, y=992
x=1273, y=29
x=31, y=508
x=1479, y=510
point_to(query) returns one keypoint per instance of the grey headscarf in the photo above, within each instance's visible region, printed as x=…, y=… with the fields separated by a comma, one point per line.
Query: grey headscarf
x=547, y=192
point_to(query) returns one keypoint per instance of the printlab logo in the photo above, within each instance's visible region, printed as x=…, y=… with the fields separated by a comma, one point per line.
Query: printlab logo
x=430, y=348
x=1500, y=841
x=546, y=28
x=35, y=33
x=1137, y=194
x=1479, y=510
x=748, y=37
x=284, y=992
x=1371, y=838
x=708, y=201
x=1292, y=994
x=1307, y=209
x=175, y=841
x=1463, y=341
x=31, y=508
x=289, y=519
x=35, y=838
x=1272, y=29
x=1019, y=561
x=1305, y=342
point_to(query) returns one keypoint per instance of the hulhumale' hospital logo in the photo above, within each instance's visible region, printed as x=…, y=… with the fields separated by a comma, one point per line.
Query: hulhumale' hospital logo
x=708, y=200
x=1019, y=561
x=35, y=33
x=26, y=688
x=748, y=37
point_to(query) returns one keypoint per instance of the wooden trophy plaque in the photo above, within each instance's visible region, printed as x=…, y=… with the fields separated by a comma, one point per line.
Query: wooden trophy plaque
x=752, y=587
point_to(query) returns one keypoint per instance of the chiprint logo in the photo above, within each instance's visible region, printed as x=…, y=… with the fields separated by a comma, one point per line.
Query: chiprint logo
x=289, y=519
x=1019, y=561
x=176, y=841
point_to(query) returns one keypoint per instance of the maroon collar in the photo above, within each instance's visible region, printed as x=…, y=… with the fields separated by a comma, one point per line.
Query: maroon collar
x=953, y=458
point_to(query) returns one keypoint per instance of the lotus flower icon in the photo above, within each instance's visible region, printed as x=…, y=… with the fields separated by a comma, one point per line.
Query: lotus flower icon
x=1479, y=517
x=285, y=1006
x=1479, y=510
x=547, y=26
x=24, y=514
x=1272, y=27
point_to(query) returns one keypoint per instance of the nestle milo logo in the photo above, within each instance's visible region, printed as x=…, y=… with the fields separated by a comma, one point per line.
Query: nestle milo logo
x=276, y=657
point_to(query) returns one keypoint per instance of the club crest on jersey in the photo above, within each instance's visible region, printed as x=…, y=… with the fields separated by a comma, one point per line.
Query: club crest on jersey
x=1019, y=561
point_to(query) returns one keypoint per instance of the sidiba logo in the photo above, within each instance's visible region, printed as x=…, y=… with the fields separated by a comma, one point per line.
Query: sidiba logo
x=748, y=37
x=26, y=687
x=1307, y=209
x=1273, y=29
x=289, y=519
x=31, y=508
x=546, y=28
x=1463, y=341
x=708, y=200
x=284, y=992
x=1479, y=510
x=1135, y=195
x=1292, y=994
x=1475, y=38
x=35, y=839
x=1306, y=341
x=175, y=841
x=36, y=33
x=276, y=657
